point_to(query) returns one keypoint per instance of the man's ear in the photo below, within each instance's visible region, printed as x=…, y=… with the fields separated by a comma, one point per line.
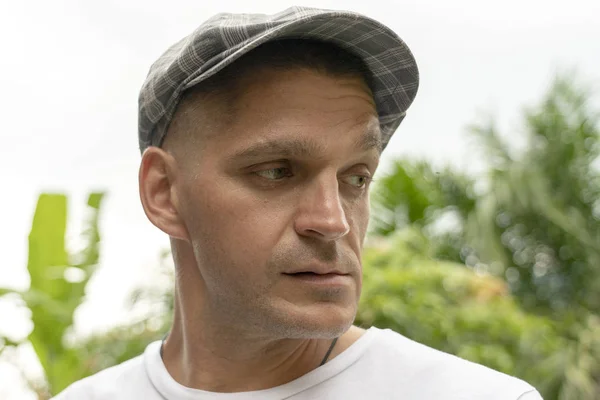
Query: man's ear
x=157, y=192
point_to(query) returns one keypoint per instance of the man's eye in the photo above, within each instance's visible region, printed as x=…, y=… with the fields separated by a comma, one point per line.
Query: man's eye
x=274, y=174
x=358, y=181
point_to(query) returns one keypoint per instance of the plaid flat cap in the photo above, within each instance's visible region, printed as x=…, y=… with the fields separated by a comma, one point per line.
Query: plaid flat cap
x=224, y=38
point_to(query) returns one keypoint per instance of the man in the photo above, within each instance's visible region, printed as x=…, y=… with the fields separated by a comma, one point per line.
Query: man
x=260, y=135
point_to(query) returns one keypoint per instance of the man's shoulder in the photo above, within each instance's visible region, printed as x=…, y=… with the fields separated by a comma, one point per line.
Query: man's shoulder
x=443, y=371
x=117, y=382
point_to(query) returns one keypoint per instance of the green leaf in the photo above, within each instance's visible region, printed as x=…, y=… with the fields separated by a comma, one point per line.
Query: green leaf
x=51, y=298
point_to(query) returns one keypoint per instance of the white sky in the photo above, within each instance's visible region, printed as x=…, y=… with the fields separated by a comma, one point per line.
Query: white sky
x=70, y=72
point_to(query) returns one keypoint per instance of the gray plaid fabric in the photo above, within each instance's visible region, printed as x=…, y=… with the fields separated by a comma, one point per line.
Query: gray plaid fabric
x=225, y=37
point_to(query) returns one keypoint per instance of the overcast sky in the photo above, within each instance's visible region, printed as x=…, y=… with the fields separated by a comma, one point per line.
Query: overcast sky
x=70, y=72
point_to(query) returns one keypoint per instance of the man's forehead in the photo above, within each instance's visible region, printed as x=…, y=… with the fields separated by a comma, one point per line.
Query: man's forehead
x=288, y=100
x=273, y=119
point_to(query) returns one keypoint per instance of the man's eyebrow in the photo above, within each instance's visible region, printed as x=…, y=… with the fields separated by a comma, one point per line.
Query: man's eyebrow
x=303, y=147
x=294, y=147
x=371, y=139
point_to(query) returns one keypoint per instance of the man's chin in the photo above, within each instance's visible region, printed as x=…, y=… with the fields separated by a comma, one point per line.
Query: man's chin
x=322, y=321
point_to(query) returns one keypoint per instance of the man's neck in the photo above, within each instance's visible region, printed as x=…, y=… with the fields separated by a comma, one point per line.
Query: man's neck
x=202, y=368
x=219, y=360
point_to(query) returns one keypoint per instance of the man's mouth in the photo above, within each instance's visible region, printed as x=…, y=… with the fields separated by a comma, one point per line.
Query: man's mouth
x=329, y=278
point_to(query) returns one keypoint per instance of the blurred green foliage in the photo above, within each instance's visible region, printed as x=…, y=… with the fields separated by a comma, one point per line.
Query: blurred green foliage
x=533, y=221
x=58, y=279
x=534, y=217
x=501, y=270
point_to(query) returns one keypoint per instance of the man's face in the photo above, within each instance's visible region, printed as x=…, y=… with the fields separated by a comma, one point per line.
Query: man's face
x=276, y=203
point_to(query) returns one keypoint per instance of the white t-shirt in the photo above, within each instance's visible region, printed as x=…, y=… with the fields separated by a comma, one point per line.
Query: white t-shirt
x=381, y=364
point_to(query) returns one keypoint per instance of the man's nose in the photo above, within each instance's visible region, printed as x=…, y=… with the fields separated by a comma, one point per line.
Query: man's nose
x=320, y=212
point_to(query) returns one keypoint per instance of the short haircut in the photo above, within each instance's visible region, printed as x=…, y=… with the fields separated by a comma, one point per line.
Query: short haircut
x=283, y=54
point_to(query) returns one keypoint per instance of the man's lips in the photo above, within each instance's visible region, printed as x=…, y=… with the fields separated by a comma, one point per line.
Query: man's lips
x=317, y=270
x=327, y=279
